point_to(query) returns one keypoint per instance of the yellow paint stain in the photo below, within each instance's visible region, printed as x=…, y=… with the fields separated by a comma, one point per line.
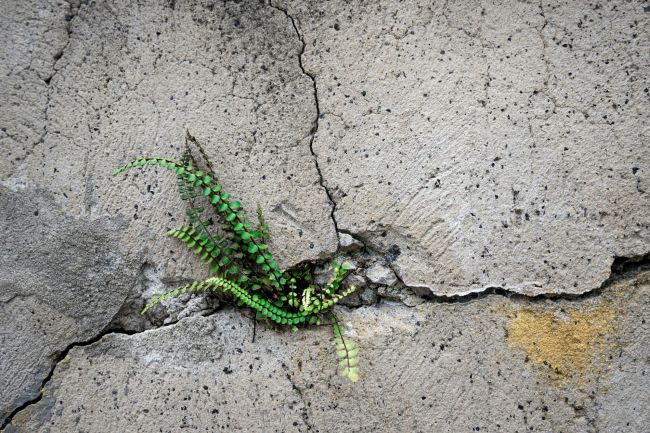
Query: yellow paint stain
x=570, y=343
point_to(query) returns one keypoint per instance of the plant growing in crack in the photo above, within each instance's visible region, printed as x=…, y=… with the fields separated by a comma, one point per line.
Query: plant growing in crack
x=243, y=267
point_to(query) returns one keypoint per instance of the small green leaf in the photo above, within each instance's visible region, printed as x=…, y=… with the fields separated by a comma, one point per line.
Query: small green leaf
x=222, y=207
x=252, y=248
x=230, y=216
x=235, y=205
x=206, y=191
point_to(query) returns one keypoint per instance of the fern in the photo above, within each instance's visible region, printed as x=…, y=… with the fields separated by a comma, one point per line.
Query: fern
x=239, y=257
x=346, y=352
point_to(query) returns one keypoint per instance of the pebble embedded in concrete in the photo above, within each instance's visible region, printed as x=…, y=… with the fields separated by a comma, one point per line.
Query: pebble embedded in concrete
x=381, y=274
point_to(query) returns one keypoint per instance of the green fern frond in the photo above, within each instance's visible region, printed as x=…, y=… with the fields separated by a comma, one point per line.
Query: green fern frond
x=239, y=256
x=255, y=302
x=327, y=303
x=193, y=287
x=346, y=353
x=338, y=274
x=162, y=162
x=261, y=223
x=248, y=241
x=190, y=139
x=216, y=252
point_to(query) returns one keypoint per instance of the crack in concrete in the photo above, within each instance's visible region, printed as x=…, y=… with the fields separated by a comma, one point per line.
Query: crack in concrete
x=623, y=268
x=73, y=10
x=58, y=357
x=315, y=123
x=305, y=411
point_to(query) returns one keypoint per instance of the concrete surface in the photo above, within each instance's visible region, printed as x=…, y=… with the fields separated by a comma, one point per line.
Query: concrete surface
x=458, y=147
x=491, y=365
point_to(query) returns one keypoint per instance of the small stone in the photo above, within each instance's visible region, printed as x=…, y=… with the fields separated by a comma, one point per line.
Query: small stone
x=380, y=274
x=352, y=300
x=349, y=243
x=369, y=296
x=390, y=293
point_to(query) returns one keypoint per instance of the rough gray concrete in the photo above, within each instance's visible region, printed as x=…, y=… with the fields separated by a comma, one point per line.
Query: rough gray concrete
x=61, y=281
x=496, y=143
x=461, y=146
x=88, y=85
x=489, y=365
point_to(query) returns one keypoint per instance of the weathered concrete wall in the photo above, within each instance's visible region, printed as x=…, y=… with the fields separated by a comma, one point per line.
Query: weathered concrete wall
x=445, y=148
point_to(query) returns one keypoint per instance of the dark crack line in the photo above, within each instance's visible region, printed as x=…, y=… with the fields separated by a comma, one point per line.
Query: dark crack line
x=69, y=17
x=623, y=268
x=58, y=357
x=305, y=410
x=315, y=123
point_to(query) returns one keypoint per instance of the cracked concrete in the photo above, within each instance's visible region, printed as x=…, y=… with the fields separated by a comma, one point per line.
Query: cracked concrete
x=314, y=130
x=468, y=139
x=496, y=364
x=463, y=149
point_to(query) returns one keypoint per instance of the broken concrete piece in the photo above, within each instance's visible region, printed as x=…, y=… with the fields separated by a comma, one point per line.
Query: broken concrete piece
x=483, y=141
x=348, y=243
x=369, y=296
x=381, y=274
x=501, y=359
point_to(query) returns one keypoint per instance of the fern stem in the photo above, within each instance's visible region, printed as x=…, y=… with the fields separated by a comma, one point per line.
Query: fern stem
x=338, y=333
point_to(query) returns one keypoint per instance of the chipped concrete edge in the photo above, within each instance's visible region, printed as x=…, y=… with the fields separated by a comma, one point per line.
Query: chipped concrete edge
x=622, y=269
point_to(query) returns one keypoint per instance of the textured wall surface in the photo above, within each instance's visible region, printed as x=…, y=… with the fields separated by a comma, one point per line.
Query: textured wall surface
x=485, y=167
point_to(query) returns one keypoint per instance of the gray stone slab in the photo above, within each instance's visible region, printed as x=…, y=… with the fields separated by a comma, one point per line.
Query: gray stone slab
x=497, y=145
x=87, y=86
x=491, y=365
